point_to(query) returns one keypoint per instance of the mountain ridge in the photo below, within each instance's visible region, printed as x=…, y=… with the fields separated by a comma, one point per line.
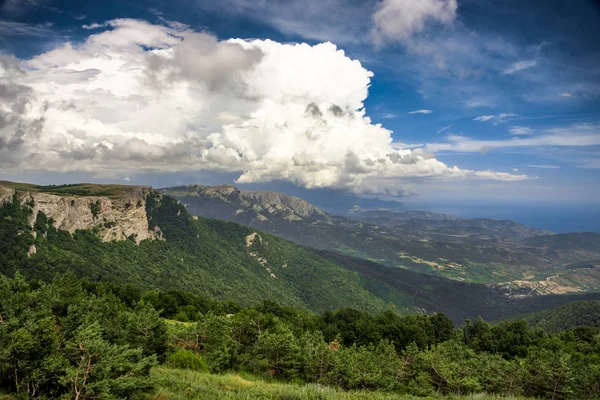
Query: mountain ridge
x=231, y=261
x=482, y=250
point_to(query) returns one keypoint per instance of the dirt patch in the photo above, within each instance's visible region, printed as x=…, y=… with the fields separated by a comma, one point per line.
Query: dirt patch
x=251, y=237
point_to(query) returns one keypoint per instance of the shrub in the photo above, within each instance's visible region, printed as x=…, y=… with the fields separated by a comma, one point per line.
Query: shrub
x=187, y=359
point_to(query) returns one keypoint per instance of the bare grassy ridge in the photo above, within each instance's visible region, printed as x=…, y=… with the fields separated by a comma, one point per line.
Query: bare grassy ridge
x=178, y=384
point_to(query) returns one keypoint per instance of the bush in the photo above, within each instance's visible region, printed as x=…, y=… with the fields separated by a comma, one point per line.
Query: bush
x=187, y=359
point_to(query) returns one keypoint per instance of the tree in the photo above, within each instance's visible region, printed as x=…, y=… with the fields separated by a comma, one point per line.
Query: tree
x=276, y=353
x=28, y=358
x=101, y=369
x=317, y=356
x=367, y=367
x=216, y=342
x=548, y=374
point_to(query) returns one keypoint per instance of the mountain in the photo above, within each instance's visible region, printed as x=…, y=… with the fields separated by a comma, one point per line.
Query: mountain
x=216, y=258
x=221, y=202
x=518, y=260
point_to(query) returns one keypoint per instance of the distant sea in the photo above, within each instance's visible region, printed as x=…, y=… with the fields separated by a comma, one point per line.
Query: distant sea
x=558, y=218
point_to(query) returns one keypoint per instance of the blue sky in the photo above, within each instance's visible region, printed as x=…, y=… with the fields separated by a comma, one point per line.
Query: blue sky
x=507, y=91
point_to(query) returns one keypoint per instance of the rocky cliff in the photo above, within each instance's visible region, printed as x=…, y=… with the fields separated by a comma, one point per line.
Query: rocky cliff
x=225, y=200
x=119, y=215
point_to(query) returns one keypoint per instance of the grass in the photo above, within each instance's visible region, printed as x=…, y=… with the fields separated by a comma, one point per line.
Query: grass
x=177, y=384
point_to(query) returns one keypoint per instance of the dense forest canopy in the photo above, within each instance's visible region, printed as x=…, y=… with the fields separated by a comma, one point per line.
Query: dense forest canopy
x=85, y=340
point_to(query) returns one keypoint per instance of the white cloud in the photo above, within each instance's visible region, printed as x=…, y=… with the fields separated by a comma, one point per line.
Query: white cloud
x=421, y=112
x=544, y=166
x=579, y=135
x=566, y=94
x=496, y=118
x=137, y=97
x=12, y=28
x=398, y=20
x=519, y=66
x=520, y=130
x=504, y=115
x=93, y=26
x=389, y=116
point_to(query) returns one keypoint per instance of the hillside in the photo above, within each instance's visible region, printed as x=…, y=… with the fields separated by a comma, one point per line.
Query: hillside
x=519, y=260
x=228, y=261
x=446, y=227
x=568, y=316
x=203, y=256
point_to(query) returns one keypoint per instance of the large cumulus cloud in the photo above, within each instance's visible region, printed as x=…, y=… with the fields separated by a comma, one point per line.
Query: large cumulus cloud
x=140, y=97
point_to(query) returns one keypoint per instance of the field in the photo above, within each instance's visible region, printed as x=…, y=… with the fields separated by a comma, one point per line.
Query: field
x=178, y=384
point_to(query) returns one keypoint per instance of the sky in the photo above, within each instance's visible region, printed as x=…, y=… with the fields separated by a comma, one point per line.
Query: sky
x=456, y=105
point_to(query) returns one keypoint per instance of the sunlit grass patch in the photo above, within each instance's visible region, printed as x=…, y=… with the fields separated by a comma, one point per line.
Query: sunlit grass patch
x=176, y=384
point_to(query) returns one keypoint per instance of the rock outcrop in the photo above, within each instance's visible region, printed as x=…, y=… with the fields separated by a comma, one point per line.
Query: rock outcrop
x=116, y=218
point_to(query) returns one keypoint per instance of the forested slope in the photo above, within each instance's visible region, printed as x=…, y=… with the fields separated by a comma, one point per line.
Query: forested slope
x=568, y=316
x=229, y=261
x=202, y=256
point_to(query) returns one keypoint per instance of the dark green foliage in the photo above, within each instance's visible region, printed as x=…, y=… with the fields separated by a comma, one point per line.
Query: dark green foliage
x=509, y=339
x=352, y=326
x=100, y=369
x=73, y=338
x=186, y=359
x=57, y=339
x=95, y=208
x=275, y=353
x=53, y=329
x=569, y=316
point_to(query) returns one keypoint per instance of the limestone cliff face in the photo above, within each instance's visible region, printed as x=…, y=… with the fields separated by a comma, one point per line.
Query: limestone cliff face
x=293, y=208
x=6, y=195
x=114, y=218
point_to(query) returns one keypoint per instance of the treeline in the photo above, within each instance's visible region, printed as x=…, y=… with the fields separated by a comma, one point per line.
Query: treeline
x=86, y=340
x=568, y=316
